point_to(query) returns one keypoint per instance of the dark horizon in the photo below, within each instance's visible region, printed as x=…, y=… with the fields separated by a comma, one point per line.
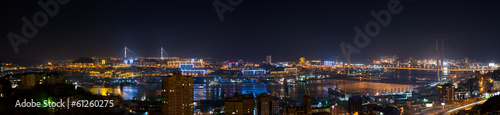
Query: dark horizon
x=287, y=30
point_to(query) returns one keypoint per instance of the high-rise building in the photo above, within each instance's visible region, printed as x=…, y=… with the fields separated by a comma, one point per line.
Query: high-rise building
x=268, y=59
x=275, y=107
x=28, y=81
x=446, y=93
x=338, y=110
x=307, y=102
x=233, y=107
x=266, y=105
x=177, y=94
x=240, y=105
x=263, y=104
x=305, y=109
x=476, y=75
x=32, y=79
x=355, y=105
x=472, y=85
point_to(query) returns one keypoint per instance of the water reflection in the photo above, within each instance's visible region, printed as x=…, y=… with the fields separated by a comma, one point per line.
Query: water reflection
x=254, y=88
x=318, y=88
x=226, y=90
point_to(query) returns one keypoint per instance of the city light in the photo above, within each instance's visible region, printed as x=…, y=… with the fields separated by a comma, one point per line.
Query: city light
x=259, y=58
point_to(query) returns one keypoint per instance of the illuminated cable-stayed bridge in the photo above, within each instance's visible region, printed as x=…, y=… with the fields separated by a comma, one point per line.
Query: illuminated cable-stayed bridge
x=402, y=67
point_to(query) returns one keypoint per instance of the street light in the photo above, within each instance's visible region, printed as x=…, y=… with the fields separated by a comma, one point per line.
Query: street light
x=442, y=104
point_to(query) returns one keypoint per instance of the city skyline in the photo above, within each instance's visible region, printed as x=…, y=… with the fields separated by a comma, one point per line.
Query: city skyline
x=246, y=57
x=252, y=30
x=163, y=54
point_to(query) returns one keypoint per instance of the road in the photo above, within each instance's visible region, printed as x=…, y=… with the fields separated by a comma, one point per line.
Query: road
x=438, y=110
x=454, y=110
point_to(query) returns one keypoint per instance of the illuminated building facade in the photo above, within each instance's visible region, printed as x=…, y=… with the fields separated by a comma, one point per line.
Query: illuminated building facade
x=446, y=93
x=32, y=79
x=253, y=72
x=269, y=59
x=146, y=63
x=240, y=105
x=83, y=63
x=189, y=69
x=279, y=72
x=291, y=70
x=177, y=95
x=328, y=63
x=285, y=71
x=266, y=105
x=28, y=81
x=302, y=60
x=496, y=85
x=194, y=72
x=316, y=62
x=186, y=66
x=175, y=62
x=263, y=104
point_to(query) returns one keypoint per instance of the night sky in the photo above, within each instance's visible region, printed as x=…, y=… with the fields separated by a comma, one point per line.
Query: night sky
x=285, y=29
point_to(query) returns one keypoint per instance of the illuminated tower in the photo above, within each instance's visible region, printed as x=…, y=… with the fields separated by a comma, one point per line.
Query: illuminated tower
x=177, y=94
x=343, y=60
x=437, y=60
x=442, y=58
x=161, y=53
x=268, y=59
x=125, y=56
x=349, y=59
